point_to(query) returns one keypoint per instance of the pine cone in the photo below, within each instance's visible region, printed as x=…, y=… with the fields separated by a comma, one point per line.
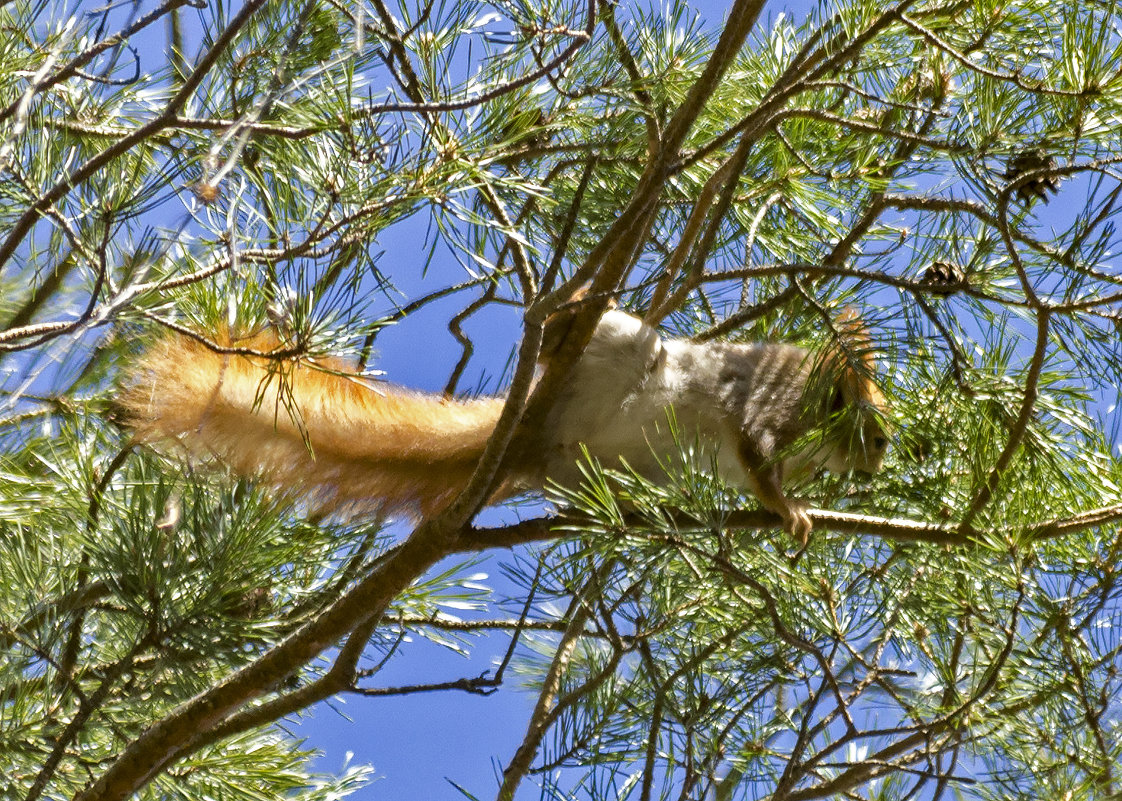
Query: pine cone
x=944, y=278
x=1038, y=187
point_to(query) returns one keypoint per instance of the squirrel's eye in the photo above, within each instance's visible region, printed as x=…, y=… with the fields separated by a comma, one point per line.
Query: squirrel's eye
x=880, y=442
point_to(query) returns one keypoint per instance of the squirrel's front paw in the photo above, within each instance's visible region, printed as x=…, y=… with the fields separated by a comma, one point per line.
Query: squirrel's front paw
x=796, y=521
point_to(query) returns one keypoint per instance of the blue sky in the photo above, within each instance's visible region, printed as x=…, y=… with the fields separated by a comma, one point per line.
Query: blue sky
x=422, y=743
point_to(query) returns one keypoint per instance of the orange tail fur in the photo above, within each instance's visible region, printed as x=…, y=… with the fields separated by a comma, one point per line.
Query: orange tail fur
x=310, y=428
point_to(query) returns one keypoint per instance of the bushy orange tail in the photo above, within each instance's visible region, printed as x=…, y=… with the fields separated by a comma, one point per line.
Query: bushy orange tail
x=349, y=444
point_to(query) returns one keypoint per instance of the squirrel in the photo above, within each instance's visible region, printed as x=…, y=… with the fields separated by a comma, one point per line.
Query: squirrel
x=356, y=444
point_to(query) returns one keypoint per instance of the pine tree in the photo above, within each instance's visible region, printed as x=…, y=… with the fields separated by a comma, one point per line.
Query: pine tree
x=947, y=168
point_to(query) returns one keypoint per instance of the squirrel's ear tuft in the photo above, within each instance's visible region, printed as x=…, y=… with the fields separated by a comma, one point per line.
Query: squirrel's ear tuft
x=855, y=339
x=850, y=357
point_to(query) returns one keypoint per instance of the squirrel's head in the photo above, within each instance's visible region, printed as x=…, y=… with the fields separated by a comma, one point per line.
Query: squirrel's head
x=858, y=428
x=859, y=432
